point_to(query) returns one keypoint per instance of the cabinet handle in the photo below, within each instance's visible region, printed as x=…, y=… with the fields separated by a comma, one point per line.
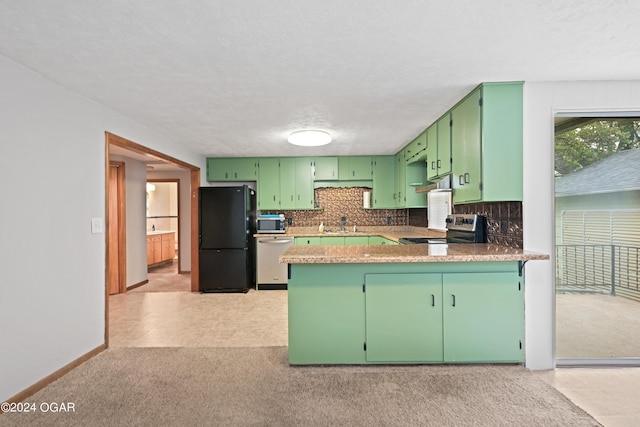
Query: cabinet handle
x=433, y=300
x=226, y=175
x=292, y=197
x=453, y=300
x=466, y=177
x=460, y=180
x=235, y=174
x=274, y=197
x=439, y=163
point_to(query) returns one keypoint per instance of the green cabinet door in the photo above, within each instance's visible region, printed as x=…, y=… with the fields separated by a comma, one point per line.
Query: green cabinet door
x=379, y=240
x=269, y=183
x=356, y=240
x=287, y=183
x=354, y=168
x=465, y=149
x=502, y=118
x=326, y=315
x=483, y=317
x=384, y=180
x=443, y=161
x=231, y=169
x=332, y=240
x=325, y=168
x=401, y=180
x=307, y=241
x=403, y=317
x=304, y=183
x=432, y=152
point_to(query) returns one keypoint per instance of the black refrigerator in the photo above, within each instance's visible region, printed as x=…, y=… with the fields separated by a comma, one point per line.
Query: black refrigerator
x=226, y=224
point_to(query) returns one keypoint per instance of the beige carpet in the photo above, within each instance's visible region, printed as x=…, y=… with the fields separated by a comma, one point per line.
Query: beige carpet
x=256, y=387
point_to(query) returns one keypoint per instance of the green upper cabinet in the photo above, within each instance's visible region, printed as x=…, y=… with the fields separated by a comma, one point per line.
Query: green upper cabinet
x=269, y=183
x=417, y=149
x=443, y=158
x=303, y=183
x=487, y=144
x=285, y=183
x=325, y=168
x=288, y=183
x=400, y=181
x=354, y=168
x=232, y=169
x=465, y=149
x=432, y=151
x=383, y=182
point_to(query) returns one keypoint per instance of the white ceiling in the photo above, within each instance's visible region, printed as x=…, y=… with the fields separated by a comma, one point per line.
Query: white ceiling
x=234, y=78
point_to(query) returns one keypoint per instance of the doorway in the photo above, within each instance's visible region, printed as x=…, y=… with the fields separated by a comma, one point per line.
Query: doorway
x=141, y=154
x=597, y=240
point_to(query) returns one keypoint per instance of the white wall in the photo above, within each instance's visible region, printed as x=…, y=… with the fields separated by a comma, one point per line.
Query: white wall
x=541, y=101
x=52, y=288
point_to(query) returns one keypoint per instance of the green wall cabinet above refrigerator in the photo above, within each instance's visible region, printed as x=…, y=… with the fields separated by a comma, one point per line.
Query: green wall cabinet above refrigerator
x=232, y=169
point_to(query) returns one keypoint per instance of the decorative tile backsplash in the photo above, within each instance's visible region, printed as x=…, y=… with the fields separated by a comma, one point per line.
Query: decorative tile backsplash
x=504, y=221
x=334, y=203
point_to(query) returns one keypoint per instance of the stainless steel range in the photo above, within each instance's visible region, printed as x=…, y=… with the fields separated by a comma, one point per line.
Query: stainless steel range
x=461, y=228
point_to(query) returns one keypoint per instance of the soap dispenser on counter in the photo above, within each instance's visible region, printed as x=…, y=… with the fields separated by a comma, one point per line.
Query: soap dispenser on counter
x=321, y=228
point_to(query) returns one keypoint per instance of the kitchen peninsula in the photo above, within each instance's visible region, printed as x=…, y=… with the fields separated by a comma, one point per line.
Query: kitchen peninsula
x=367, y=304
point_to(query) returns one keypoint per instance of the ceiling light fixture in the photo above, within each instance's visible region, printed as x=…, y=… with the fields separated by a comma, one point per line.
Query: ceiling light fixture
x=309, y=138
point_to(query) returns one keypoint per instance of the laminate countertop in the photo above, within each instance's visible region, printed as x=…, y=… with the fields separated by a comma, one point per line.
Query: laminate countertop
x=452, y=252
x=388, y=232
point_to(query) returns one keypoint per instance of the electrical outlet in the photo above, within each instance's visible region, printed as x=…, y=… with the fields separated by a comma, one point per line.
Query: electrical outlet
x=389, y=220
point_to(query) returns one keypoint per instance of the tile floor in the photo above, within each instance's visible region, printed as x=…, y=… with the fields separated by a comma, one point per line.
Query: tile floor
x=259, y=318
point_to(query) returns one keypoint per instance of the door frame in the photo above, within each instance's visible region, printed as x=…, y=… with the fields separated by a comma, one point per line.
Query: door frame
x=121, y=261
x=177, y=182
x=115, y=140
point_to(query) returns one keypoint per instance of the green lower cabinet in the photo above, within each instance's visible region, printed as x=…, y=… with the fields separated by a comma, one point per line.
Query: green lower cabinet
x=326, y=312
x=332, y=240
x=308, y=241
x=406, y=313
x=356, y=240
x=379, y=240
x=403, y=317
x=483, y=317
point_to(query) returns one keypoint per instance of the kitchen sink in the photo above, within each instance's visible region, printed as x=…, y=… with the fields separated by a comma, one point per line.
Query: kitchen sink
x=341, y=232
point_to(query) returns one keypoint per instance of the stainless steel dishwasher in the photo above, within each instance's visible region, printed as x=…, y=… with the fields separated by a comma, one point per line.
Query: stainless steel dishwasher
x=271, y=274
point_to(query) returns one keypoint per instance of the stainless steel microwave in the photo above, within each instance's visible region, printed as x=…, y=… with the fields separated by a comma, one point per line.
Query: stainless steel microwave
x=271, y=223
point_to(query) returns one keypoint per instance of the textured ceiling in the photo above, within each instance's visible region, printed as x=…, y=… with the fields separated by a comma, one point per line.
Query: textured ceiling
x=234, y=78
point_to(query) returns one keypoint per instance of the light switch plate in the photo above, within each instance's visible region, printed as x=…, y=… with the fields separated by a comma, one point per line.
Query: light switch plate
x=96, y=225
